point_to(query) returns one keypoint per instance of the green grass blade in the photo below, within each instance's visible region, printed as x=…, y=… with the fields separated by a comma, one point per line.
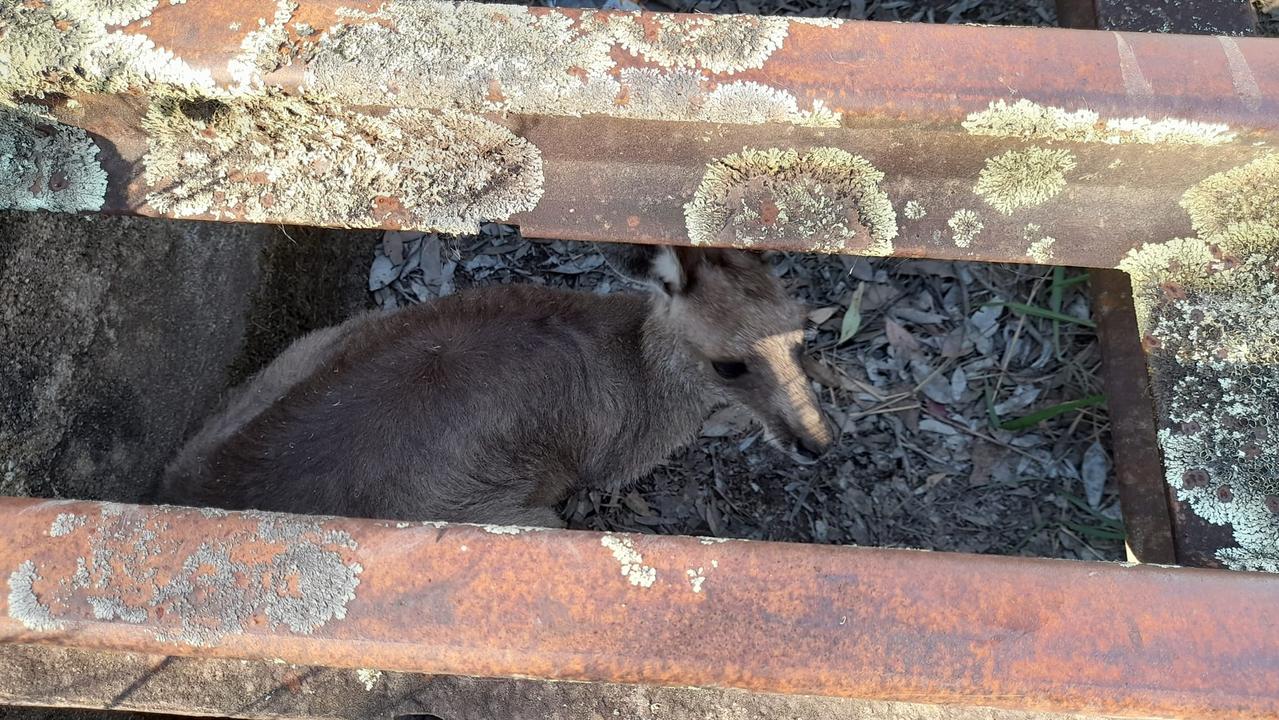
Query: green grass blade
x=1033, y=419
x=1099, y=533
x=1044, y=313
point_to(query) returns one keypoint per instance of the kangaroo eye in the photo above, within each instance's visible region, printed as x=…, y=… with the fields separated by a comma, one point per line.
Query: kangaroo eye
x=730, y=370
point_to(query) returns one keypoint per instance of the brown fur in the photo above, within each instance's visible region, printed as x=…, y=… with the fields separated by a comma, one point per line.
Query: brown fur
x=492, y=405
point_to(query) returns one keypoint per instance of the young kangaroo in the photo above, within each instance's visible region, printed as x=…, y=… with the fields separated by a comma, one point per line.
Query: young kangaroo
x=492, y=405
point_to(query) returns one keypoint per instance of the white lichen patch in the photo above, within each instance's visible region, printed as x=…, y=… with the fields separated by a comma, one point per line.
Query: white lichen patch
x=277, y=159
x=696, y=578
x=45, y=165
x=503, y=529
x=965, y=226
x=24, y=605
x=717, y=43
x=1208, y=311
x=469, y=56
x=914, y=210
x=505, y=58
x=110, y=12
x=67, y=47
x=263, y=50
x=369, y=678
x=825, y=198
x=1039, y=247
x=284, y=574
x=749, y=103
x=655, y=94
x=632, y=563
x=1023, y=178
x=65, y=524
x=1245, y=194
x=1028, y=120
x=826, y=22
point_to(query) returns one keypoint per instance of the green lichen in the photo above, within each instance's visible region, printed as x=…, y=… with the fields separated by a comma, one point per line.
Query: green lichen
x=965, y=226
x=1023, y=178
x=1031, y=121
x=825, y=198
x=1245, y=194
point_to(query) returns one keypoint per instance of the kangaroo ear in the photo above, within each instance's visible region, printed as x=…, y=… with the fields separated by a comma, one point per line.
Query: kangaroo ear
x=655, y=265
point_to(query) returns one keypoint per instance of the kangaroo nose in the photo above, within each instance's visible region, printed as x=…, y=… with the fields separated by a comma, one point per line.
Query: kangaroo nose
x=806, y=451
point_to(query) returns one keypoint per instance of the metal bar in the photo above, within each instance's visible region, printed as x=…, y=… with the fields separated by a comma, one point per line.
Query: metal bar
x=952, y=142
x=1139, y=469
x=873, y=624
x=41, y=675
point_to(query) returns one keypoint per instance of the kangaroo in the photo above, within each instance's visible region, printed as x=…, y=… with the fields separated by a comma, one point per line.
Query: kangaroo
x=492, y=405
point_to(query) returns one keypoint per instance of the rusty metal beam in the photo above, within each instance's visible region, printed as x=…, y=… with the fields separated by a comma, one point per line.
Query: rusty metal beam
x=43, y=676
x=993, y=143
x=1139, y=469
x=871, y=624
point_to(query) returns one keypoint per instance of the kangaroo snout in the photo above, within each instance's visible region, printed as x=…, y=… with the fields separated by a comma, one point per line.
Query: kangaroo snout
x=808, y=433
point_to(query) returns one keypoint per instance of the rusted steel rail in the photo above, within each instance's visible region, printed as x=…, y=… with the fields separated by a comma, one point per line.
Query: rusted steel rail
x=1141, y=641
x=939, y=141
x=42, y=675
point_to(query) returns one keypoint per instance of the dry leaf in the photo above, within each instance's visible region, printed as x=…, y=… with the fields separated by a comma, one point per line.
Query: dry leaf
x=821, y=315
x=726, y=422
x=899, y=337
x=637, y=504
x=1093, y=470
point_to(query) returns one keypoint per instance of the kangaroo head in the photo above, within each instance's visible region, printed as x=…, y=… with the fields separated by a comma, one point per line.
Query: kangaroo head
x=743, y=332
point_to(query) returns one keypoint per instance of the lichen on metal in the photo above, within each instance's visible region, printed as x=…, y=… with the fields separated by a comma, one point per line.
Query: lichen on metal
x=718, y=43
x=1245, y=194
x=914, y=210
x=24, y=605
x=66, y=46
x=1208, y=311
x=1029, y=120
x=965, y=226
x=295, y=574
x=1022, y=178
x=826, y=198
x=278, y=159
x=112, y=12
x=263, y=49
x=1039, y=247
x=65, y=524
x=630, y=560
x=46, y=165
x=505, y=58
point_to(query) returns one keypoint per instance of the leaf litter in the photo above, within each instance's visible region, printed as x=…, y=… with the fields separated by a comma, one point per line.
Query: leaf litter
x=935, y=364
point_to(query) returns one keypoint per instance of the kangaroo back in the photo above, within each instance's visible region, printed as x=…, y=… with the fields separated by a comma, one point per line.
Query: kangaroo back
x=491, y=405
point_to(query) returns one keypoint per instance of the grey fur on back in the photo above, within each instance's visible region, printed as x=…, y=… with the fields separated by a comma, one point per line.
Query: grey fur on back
x=488, y=406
